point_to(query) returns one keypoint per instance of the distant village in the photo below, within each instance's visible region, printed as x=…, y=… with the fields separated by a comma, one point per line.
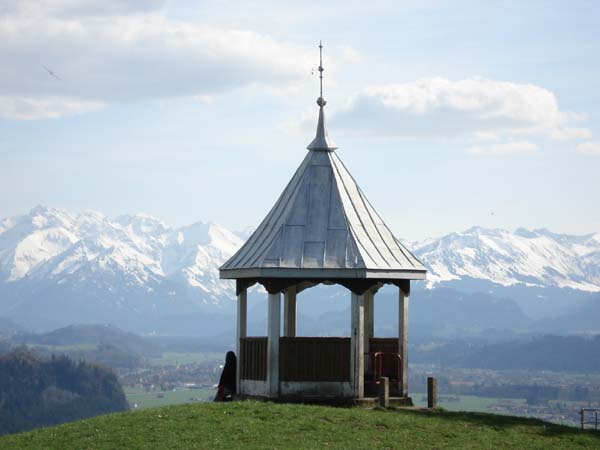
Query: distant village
x=553, y=396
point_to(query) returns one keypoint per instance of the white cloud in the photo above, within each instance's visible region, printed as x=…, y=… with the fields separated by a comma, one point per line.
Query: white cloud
x=79, y=8
x=503, y=148
x=127, y=52
x=351, y=55
x=29, y=108
x=589, y=148
x=470, y=108
x=569, y=133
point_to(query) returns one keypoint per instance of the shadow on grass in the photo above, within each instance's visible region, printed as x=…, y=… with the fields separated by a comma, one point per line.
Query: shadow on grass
x=500, y=422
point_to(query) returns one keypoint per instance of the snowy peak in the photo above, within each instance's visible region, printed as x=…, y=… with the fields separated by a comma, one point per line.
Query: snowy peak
x=537, y=258
x=28, y=240
x=52, y=245
x=143, y=225
x=195, y=253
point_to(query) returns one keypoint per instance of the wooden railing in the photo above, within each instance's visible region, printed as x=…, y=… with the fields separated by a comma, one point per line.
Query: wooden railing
x=386, y=363
x=314, y=359
x=383, y=345
x=253, y=358
x=308, y=358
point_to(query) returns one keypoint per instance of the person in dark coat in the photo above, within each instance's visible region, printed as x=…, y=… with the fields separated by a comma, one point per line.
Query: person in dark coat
x=227, y=382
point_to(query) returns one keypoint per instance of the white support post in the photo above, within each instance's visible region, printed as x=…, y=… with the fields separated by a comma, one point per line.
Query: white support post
x=357, y=346
x=289, y=312
x=273, y=344
x=404, y=294
x=241, y=332
x=369, y=320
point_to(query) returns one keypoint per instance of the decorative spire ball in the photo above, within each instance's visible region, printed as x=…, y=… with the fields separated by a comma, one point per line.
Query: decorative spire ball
x=321, y=101
x=322, y=141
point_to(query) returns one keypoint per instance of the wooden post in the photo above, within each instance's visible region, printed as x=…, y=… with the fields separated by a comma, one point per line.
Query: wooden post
x=357, y=346
x=431, y=392
x=241, y=332
x=384, y=392
x=404, y=293
x=273, y=344
x=289, y=312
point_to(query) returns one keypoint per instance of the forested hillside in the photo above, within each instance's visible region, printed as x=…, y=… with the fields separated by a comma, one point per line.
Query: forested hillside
x=558, y=353
x=577, y=354
x=38, y=392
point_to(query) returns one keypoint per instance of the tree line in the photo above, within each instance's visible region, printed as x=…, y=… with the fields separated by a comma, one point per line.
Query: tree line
x=37, y=391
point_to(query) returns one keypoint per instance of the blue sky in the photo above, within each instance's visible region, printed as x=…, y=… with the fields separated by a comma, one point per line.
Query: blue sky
x=448, y=114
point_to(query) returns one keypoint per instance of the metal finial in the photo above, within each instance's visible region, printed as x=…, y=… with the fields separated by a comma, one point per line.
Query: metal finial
x=321, y=141
x=321, y=101
x=321, y=68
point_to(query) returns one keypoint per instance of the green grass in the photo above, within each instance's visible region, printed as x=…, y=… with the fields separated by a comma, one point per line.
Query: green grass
x=465, y=402
x=254, y=425
x=163, y=398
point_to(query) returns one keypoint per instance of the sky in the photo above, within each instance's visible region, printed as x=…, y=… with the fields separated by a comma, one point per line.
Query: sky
x=449, y=114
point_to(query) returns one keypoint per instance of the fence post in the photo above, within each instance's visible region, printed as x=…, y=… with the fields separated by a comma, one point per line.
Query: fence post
x=431, y=392
x=384, y=392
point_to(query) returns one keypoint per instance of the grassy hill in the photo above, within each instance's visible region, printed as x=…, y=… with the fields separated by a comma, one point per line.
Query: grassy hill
x=255, y=425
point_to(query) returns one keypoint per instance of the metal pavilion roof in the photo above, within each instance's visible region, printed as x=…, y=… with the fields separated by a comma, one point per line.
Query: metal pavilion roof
x=323, y=227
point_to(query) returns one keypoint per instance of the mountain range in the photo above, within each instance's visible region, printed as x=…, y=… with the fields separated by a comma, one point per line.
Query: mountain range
x=537, y=258
x=59, y=268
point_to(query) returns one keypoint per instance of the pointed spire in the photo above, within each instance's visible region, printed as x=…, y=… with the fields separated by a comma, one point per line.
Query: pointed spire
x=322, y=141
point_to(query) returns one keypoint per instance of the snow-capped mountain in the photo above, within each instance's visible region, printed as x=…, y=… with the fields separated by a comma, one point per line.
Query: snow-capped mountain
x=86, y=267
x=132, y=263
x=533, y=258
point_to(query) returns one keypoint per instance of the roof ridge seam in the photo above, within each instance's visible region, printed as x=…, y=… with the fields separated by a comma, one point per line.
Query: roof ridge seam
x=355, y=237
x=366, y=205
x=358, y=215
x=401, y=247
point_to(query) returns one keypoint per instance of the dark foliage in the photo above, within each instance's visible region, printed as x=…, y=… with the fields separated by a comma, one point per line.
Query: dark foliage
x=38, y=392
x=558, y=353
x=577, y=354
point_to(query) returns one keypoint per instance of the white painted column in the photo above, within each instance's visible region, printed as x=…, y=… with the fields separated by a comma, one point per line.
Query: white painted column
x=357, y=346
x=289, y=312
x=404, y=294
x=273, y=344
x=369, y=318
x=241, y=332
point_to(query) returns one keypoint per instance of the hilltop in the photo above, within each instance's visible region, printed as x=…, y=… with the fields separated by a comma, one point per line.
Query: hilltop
x=262, y=425
x=105, y=334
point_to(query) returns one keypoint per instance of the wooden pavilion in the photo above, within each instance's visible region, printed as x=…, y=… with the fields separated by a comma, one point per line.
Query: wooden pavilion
x=322, y=229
